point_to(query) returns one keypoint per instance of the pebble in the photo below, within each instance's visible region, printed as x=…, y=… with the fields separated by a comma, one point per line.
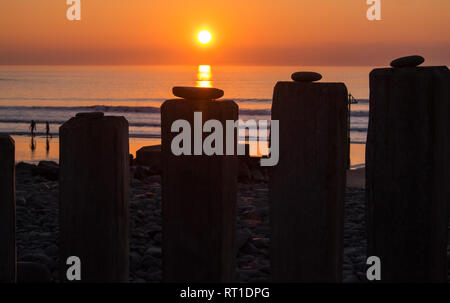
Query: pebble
x=261, y=242
x=135, y=260
x=351, y=279
x=21, y=200
x=350, y=251
x=197, y=93
x=155, y=179
x=38, y=258
x=51, y=250
x=150, y=262
x=248, y=273
x=242, y=237
x=249, y=249
x=266, y=269
x=154, y=251
x=154, y=276
x=141, y=274
x=158, y=238
x=306, y=76
x=264, y=252
x=410, y=61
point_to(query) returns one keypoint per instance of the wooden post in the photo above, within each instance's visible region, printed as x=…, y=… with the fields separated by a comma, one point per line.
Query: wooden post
x=349, y=126
x=94, y=196
x=7, y=210
x=307, y=186
x=407, y=172
x=199, y=200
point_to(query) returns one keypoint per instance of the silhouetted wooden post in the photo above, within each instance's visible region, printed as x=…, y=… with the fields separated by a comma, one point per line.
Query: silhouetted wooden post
x=307, y=186
x=198, y=195
x=407, y=170
x=94, y=196
x=349, y=120
x=7, y=210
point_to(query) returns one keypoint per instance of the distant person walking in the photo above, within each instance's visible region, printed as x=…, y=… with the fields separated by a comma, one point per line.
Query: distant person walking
x=32, y=127
x=47, y=129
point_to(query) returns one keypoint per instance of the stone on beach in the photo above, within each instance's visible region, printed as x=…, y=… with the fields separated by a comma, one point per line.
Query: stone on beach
x=306, y=76
x=150, y=156
x=242, y=237
x=410, y=61
x=47, y=169
x=197, y=93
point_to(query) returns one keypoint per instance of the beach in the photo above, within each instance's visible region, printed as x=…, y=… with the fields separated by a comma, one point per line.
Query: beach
x=38, y=227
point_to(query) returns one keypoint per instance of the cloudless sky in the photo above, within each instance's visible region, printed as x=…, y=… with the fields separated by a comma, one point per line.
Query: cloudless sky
x=263, y=32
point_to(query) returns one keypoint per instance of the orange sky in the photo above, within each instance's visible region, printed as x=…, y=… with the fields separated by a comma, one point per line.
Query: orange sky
x=266, y=32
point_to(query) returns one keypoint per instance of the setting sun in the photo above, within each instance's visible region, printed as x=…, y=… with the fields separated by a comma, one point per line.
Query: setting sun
x=204, y=37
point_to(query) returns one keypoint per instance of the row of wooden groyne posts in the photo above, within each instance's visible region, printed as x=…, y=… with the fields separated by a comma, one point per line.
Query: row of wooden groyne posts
x=407, y=186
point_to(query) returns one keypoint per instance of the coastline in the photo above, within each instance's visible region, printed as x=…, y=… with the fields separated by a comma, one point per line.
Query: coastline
x=24, y=153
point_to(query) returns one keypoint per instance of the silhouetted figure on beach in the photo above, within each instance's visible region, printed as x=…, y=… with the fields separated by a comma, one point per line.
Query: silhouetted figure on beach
x=47, y=129
x=32, y=127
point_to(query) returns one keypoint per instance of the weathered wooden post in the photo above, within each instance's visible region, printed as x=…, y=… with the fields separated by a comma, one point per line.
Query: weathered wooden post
x=198, y=192
x=94, y=196
x=7, y=210
x=307, y=186
x=407, y=170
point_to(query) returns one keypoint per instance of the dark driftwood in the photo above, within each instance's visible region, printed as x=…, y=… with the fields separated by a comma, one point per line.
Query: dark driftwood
x=307, y=186
x=407, y=172
x=7, y=210
x=94, y=197
x=199, y=201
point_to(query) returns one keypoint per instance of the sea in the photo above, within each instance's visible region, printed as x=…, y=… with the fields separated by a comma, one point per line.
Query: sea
x=54, y=94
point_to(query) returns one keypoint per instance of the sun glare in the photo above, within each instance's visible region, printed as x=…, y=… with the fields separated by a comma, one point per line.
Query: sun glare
x=204, y=37
x=204, y=73
x=204, y=76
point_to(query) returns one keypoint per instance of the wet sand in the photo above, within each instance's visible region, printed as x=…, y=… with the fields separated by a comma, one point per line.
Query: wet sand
x=25, y=154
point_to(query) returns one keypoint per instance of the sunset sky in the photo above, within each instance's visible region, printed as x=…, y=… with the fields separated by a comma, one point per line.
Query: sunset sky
x=246, y=32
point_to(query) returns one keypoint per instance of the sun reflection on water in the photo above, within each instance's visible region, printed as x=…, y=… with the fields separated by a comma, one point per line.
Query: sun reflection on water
x=204, y=76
